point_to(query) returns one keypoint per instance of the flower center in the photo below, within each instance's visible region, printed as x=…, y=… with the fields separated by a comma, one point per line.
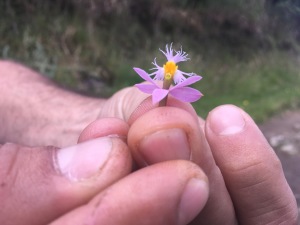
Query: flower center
x=170, y=69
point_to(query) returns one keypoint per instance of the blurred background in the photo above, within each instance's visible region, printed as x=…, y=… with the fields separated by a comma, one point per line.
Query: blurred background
x=246, y=51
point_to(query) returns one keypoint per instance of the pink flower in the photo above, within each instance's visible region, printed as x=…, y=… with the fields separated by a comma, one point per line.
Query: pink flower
x=179, y=91
x=170, y=75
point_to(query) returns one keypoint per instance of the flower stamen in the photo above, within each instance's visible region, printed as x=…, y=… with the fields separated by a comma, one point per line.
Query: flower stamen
x=169, y=70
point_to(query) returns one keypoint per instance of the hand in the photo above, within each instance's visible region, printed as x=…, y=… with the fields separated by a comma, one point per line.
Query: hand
x=89, y=183
x=247, y=184
x=56, y=116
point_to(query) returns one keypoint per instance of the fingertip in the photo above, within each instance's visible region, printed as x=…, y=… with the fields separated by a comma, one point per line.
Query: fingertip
x=233, y=135
x=226, y=120
x=104, y=127
x=165, y=133
x=193, y=200
x=252, y=172
x=147, y=105
x=130, y=103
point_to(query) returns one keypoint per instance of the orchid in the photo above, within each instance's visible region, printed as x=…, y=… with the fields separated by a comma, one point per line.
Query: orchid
x=169, y=74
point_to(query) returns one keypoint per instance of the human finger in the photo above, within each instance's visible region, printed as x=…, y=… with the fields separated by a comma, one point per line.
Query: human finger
x=170, y=133
x=104, y=127
x=251, y=169
x=144, y=197
x=39, y=184
x=166, y=130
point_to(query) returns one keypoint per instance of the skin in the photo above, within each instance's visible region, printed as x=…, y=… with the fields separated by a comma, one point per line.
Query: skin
x=218, y=171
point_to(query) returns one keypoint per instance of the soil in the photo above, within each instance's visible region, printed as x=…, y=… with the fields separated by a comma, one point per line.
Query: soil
x=283, y=133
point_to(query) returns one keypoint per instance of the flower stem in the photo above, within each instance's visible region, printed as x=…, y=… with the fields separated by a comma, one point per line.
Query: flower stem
x=166, y=85
x=163, y=102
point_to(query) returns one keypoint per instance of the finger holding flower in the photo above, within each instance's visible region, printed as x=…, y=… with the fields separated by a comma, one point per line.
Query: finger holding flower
x=170, y=133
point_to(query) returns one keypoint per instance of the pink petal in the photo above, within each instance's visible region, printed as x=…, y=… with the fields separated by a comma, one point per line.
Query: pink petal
x=159, y=94
x=146, y=88
x=186, y=94
x=143, y=74
x=188, y=81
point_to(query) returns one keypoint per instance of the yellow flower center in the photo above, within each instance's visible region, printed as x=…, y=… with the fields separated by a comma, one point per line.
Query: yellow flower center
x=170, y=69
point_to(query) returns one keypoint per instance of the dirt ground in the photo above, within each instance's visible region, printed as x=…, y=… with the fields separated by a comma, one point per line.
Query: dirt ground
x=283, y=133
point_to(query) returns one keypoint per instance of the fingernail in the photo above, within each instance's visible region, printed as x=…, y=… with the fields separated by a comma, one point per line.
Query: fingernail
x=226, y=120
x=84, y=160
x=193, y=200
x=165, y=145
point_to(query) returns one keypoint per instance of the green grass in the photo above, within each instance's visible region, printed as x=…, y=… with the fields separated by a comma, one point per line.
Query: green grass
x=264, y=85
x=263, y=82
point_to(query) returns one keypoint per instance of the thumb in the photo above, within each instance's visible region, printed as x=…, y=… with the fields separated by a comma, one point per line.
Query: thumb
x=40, y=184
x=144, y=197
